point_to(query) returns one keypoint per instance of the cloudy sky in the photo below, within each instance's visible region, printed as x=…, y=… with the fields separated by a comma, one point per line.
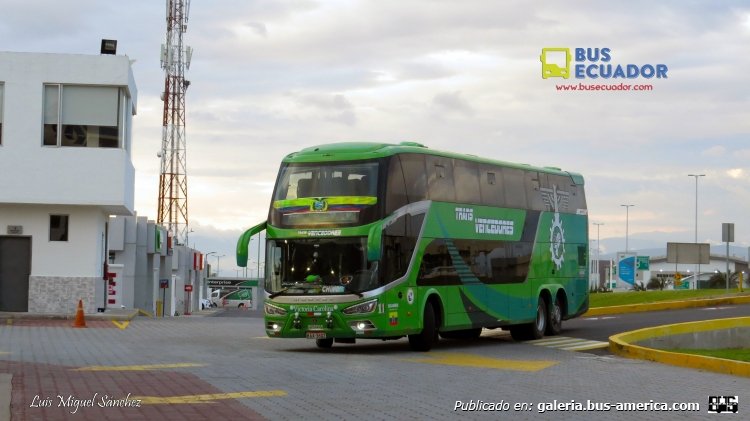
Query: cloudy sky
x=271, y=77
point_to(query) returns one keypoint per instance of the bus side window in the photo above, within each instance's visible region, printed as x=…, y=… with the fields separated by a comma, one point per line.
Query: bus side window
x=533, y=182
x=395, y=194
x=399, y=240
x=440, y=178
x=491, y=185
x=466, y=179
x=414, y=176
x=515, y=191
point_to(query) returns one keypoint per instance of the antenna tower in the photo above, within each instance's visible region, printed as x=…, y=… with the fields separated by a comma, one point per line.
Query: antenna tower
x=175, y=59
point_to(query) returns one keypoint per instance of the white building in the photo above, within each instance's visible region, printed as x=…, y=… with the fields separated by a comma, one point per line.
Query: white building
x=145, y=272
x=65, y=166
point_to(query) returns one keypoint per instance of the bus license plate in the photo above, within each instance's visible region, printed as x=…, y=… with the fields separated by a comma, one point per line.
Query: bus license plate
x=315, y=335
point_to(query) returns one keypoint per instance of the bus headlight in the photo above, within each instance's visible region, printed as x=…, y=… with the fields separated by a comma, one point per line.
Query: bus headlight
x=361, y=325
x=274, y=326
x=272, y=310
x=361, y=308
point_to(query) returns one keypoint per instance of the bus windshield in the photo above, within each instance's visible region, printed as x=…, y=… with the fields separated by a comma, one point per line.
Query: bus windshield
x=312, y=266
x=333, y=194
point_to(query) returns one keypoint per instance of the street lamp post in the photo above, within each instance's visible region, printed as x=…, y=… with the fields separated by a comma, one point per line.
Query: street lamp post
x=627, y=217
x=208, y=254
x=598, y=224
x=698, y=270
x=217, y=263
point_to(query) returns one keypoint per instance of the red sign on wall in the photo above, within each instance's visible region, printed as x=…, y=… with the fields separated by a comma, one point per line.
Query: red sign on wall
x=188, y=288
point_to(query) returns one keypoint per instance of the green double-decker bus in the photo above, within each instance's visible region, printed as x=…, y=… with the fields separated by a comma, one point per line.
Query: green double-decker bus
x=382, y=241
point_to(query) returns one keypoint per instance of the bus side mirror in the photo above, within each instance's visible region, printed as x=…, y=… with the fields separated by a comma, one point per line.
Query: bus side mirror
x=243, y=243
x=374, y=240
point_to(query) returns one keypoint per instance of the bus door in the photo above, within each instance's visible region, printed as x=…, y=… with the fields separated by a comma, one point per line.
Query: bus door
x=398, y=244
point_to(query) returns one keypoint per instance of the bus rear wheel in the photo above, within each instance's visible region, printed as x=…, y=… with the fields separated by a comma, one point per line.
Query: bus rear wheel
x=554, y=318
x=424, y=340
x=534, y=330
x=324, y=343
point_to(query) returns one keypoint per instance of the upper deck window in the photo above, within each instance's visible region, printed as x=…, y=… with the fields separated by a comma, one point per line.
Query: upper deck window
x=325, y=194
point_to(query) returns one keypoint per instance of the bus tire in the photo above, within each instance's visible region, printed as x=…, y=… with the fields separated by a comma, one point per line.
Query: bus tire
x=241, y=305
x=324, y=343
x=554, y=318
x=535, y=329
x=424, y=340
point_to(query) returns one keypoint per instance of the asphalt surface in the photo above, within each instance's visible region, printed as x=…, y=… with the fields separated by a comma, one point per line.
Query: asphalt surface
x=600, y=328
x=224, y=367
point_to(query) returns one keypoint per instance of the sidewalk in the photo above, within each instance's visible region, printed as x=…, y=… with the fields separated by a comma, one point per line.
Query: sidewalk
x=117, y=314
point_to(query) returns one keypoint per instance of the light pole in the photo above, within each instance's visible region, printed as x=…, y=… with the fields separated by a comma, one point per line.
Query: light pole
x=217, y=263
x=208, y=254
x=598, y=224
x=698, y=270
x=627, y=217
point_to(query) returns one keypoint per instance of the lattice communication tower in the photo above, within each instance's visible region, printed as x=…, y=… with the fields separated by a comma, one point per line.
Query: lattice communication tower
x=175, y=59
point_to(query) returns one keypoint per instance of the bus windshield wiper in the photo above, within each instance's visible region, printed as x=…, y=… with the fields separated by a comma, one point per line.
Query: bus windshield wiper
x=279, y=292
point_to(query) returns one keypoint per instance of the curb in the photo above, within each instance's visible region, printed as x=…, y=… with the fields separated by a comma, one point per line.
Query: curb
x=623, y=344
x=665, y=305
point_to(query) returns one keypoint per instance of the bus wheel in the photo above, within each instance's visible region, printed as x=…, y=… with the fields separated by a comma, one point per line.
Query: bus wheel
x=540, y=324
x=534, y=330
x=324, y=343
x=554, y=318
x=423, y=341
x=240, y=305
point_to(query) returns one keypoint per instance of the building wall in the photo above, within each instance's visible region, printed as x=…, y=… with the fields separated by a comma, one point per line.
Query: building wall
x=85, y=183
x=36, y=174
x=62, y=272
x=81, y=256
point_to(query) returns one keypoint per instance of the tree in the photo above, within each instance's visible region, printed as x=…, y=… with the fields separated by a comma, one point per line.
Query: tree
x=658, y=283
x=719, y=280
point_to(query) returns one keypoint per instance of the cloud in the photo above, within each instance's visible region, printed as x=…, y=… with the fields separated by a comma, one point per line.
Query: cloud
x=258, y=27
x=714, y=151
x=453, y=103
x=736, y=173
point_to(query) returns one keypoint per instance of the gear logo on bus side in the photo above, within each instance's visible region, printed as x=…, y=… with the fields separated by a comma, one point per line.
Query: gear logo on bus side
x=556, y=200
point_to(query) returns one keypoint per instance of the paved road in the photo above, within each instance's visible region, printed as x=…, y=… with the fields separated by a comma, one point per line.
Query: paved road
x=600, y=328
x=194, y=368
x=236, y=312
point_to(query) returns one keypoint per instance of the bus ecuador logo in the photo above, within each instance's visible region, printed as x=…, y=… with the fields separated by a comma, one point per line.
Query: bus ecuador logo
x=556, y=200
x=595, y=63
x=555, y=62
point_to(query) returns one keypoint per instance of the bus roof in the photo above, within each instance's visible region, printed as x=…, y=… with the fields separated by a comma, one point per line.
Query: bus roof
x=350, y=151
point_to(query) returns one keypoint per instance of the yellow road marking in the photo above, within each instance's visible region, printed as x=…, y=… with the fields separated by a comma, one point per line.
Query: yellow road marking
x=136, y=367
x=262, y=337
x=4, y=352
x=145, y=313
x=468, y=360
x=207, y=398
x=121, y=325
x=9, y=322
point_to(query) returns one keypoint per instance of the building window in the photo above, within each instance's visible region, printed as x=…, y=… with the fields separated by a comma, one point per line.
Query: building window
x=1, y=112
x=83, y=116
x=58, y=227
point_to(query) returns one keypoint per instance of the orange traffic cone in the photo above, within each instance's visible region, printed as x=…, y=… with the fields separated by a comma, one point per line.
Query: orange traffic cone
x=80, y=321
